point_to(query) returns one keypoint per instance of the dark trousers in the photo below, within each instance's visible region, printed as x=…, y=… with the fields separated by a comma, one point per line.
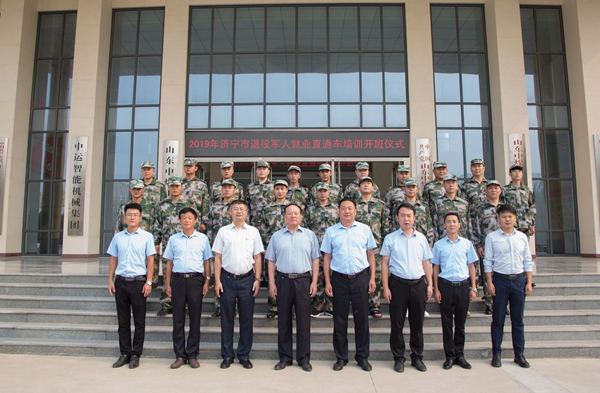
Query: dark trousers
x=240, y=291
x=511, y=292
x=293, y=292
x=356, y=291
x=186, y=291
x=129, y=297
x=454, y=307
x=411, y=298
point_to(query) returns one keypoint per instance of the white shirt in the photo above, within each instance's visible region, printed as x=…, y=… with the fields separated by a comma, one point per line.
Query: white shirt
x=238, y=247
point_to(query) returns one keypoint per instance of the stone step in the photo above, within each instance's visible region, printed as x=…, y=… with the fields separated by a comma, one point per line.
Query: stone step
x=566, y=278
x=432, y=351
x=567, y=289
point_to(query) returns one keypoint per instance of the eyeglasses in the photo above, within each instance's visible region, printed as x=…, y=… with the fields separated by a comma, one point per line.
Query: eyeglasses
x=135, y=215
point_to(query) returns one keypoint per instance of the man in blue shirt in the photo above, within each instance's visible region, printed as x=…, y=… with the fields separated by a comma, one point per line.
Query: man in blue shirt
x=129, y=251
x=405, y=254
x=293, y=253
x=508, y=268
x=455, y=287
x=349, y=272
x=188, y=257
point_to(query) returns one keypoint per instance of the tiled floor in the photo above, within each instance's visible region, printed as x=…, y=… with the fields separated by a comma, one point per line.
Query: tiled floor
x=57, y=265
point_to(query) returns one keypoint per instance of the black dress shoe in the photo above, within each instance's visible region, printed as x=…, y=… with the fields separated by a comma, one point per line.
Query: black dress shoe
x=497, y=360
x=271, y=314
x=448, y=363
x=365, y=365
x=134, y=362
x=194, y=363
x=520, y=360
x=227, y=362
x=281, y=365
x=488, y=310
x=121, y=361
x=461, y=361
x=246, y=363
x=399, y=366
x=217, y=312
x=339, y=365
x=306, y=366
x=418, y=364
x=163, y=311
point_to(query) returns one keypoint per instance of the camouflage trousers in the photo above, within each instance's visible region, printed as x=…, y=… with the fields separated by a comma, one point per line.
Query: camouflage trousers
x=321, y=302
x=156, y=269
x=165, y=301
x=483, y=281
x=375, y=297
x=211, y=286
x=272, y=302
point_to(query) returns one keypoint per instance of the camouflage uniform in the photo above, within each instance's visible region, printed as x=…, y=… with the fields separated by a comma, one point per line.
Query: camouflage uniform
x=393, y=198
x=432, y=190
x=474, y=193
x=374, y=214
x=444, y=205
x=257, y=197
x=318, y=219
x=166, y=225
x=217, y=195
x=335, y=194
x=155, y=191
x=423, y=223
x=197, y=190
x=522, y=199
x=352, y=191
x=299, y=196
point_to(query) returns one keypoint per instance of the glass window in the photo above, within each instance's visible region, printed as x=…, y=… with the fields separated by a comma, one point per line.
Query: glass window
x=396, y=116
x=46, y=86
x=248, y=116
x=198, y=117
x=281, y=116
x=370, y=29
x=147, y=87
x=343, y=29
x=443, y=28
x=312, y=116
x=151, y=32
x=372, y=115
x=281, y=29
x=223, y=30
x=395, y=77
x=549, y=30
x=122, y=80
x=312, y=78
x=200, y=30
x=393, y=29
x=371, y=78
x=281, y=78
x=250, y=33
x=220, y=117
x=199, y=80
x=249, y=82
x=474, y=78
x=146, y=118
x=470, y=24
x=447, y=78
x=345, y=116
x=118, y=158
x=222, y=79
x=343, y=78
x=450, y=150
x=552, y=73
x=50, y=35
x=312, y=29
x=125, y=26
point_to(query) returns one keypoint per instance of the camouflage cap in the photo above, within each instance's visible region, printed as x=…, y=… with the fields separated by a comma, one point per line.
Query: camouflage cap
x=228, y=182
x=174, y=181
x=411, y=181
x=366, y=178
x=226, y=164
x=516, y=166
x=477, y=161
x=294, y=168
x=492, y=183
x=450, y=176
x=262, y=164
x=439, y=164
x=190, y=161
x=136, y=184
x=324, y=167
x=362, y=165
x=403, y=168
x=281, y=183
x=147, y=164
x=322, y=186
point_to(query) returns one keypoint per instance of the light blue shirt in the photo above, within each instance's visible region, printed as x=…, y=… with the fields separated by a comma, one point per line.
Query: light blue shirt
x=348, y=247
x=407, y=254
x=507, y=254
x=454, y=258
x=131, y=250
x=293, y=252
x=188, y=253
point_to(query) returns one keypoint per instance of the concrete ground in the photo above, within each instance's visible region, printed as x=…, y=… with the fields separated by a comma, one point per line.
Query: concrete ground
x=29, y=373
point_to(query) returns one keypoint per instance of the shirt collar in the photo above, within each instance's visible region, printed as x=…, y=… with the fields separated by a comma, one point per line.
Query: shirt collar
x=194, y=234
x=405, y=235
x=299, y=229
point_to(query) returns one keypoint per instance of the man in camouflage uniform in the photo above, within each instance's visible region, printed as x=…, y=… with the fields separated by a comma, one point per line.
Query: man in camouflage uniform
x=485, y=222
x=319, y=216
x=259, y=193
x=335, y=190
x=373, y=213
x=167, y=224
x=395, y=194
x=226, y=174
x=521, y=197
x=474, y=189
x=136, y=189
x=296, y=193
x=155, y=190
x=196, y=189
x=434, y=189
x=272, y=220
x=352, y=190
x=423, y=222
x=450, y=202
x=219, y=215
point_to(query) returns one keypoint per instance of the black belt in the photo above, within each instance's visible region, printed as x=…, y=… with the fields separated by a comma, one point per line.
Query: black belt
x=408, y=282
x=131, y=279
x=294, y=275
x=455, y=283
x=187, y=275
x=509, y=276
x=350, y=275
x=236, y=276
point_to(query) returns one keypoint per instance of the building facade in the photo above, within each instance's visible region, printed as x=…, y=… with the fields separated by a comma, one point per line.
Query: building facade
x=93, y=88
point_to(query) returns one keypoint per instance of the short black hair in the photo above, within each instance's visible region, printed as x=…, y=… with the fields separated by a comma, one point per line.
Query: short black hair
x=238, y=202
x=451, y=214
x=506, y=208
x=133, y=206
x=408, y=206
x=292, y=204
x=346, y=199
x=188, y=210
